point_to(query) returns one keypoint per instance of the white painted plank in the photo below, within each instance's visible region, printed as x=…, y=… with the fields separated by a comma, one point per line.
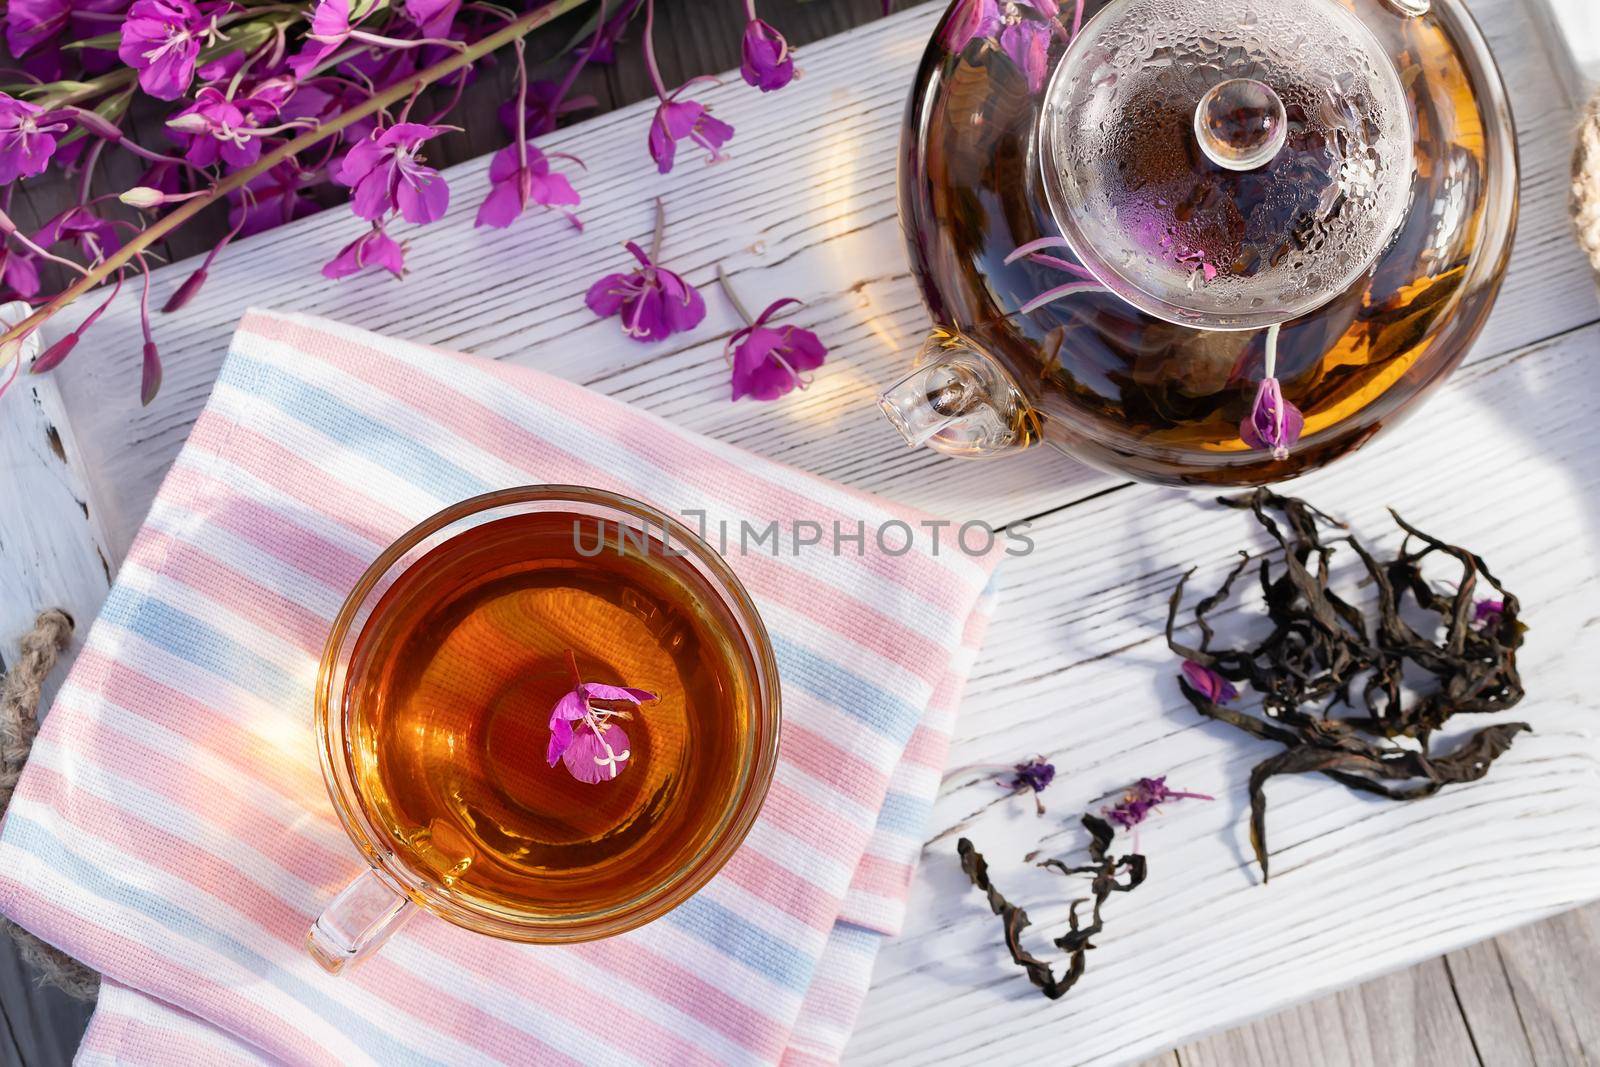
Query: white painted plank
x=1074, y=666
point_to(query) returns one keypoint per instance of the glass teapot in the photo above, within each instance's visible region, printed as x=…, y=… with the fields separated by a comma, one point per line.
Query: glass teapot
x=1198, y=242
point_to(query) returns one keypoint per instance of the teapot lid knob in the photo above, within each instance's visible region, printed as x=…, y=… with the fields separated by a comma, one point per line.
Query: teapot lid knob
x=1231, y=164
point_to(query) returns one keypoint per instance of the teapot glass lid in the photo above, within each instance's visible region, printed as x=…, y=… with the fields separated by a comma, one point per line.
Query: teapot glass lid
x=1226, y=164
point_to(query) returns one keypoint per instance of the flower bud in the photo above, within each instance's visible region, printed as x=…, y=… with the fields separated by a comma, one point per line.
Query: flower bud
x=142, y=196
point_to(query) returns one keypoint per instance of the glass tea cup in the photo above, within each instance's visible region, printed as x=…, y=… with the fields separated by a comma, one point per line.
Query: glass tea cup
x=433, y=704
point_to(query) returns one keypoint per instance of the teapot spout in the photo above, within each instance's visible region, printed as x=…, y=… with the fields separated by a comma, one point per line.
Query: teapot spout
x=958, y=400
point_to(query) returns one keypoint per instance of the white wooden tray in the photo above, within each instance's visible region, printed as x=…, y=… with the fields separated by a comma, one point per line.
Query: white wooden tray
x=1504, y=460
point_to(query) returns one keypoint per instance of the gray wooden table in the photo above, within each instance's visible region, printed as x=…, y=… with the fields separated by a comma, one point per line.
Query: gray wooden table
x=1531, y=996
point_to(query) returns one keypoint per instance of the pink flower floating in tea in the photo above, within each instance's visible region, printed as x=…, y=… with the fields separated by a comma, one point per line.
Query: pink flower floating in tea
x=1143, y=797
x=583, y=736
x=1274, y=423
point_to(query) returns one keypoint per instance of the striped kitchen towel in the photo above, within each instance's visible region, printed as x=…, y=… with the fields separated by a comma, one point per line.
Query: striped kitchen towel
x=172, y=829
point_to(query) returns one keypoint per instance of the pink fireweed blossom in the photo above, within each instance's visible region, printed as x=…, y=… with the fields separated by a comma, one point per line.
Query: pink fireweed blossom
x=516, y=182
x=330, y=28
x=19, y=273
x=375, y=248
x=1208, y=683
x=95, y=237
x=161, y=39
x=1143, y=797
x=767, y=61
x=654, y=303
x=216, y=128
x=677, y=120
x=1274, y=423
x=584, y=737
x=387, y=174
x=769, y=361
x=26, y=142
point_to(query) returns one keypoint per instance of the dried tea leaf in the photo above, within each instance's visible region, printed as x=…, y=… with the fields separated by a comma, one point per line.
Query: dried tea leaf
x=1105, y=870
x=1325, y=652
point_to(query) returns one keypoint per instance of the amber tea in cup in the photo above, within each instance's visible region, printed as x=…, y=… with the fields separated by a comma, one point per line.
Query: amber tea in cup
x=436, y=713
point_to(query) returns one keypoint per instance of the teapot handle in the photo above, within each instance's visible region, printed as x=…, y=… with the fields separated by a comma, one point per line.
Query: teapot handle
x=959, y=400
x=357, y=921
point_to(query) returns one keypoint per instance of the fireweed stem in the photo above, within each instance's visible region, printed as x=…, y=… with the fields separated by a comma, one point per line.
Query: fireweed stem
x=522, y=104
x=661, y=230
x=733, y=298
x=1271, y=368
x=572, y=665
x=512, y=31
x=650, y=63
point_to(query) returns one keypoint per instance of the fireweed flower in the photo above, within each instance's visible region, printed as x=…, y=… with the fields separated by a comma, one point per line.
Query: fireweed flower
x=769, y=361
x=375, y=248
x=1143, y=797
x=161, y=40
x=767, y=62
x=1274, y=423
x=216, y=128
x=1486, y=613
x=26, y=143
x=583, y=736
x=330, y=28
x=387, y=175
x=95, y=237
x=19, y=272
x=677, y=120
x=30, y=23
x=654, y=303
x=1208, y=683
x=517, y=182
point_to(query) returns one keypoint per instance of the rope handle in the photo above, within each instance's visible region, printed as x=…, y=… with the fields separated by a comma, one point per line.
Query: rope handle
x=19, y=724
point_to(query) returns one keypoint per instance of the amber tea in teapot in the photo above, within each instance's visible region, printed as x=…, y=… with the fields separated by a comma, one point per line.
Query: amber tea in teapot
x=1216, y=242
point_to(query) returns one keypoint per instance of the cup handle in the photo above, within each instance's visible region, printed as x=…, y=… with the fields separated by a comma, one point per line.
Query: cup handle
x=356, y=922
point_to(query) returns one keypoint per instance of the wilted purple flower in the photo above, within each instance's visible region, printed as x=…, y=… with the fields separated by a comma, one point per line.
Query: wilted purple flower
x=1274, y=424
x=26, y=145
x=515, y=184
x=1033, y=776
x=375, y=248
x=653, y=302
x=1486, y=613
x=1027, y=43
x=1142, y=798
x=215, y=127
x=161, y=40
x=768, y=63
x=1208, y=683
x=969, y=19
x=770, y=361
x=19, y=271
x=676, y=120
x=387, y=175
x=595, y=749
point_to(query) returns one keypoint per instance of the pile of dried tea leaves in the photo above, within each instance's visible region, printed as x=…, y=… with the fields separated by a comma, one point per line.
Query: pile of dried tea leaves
x=1341, y=686
x=1104, y=868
